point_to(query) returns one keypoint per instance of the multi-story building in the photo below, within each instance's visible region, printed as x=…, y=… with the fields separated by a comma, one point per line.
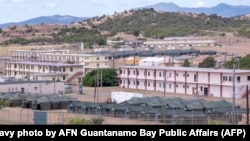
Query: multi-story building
x=3, y=60
x=180, y=42
x=53, y=65
x=185, y=80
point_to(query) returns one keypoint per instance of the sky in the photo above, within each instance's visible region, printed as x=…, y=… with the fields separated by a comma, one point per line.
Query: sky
x=21, y=10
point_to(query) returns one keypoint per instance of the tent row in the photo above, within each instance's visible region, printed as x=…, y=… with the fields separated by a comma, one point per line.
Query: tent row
x=37, y=102
x=172, y=110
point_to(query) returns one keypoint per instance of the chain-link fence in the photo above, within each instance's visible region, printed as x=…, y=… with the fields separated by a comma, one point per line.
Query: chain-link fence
x=26, y=116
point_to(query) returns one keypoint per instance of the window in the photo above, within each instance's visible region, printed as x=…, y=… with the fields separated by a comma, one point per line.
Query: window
x=64, y=77
x=97, y=58
x=160, y=85
x=176, y=85
x=201, y=88
x=169, y=86
x=63, y=69
x=149, y=84
x=238, y=78
x=35, y=88
x=148, y=73
x=230, y=78
x=177, y=74
x=224, y=78
x=248, y=78
x=138, y=82
x=134, y=72
x=71, y=69
x=159, y=74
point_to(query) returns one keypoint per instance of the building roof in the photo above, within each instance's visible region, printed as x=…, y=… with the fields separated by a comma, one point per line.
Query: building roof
x=45, y=64
x=30, y=81
x=167, y=68
x=152, y=59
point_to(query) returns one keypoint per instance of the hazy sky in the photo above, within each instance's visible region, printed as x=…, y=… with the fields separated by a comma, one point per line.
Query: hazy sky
x=20, y=10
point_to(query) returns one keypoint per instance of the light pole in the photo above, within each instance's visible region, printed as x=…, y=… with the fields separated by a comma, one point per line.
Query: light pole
x=55, y=80
x=233, y=108
x=165, y=75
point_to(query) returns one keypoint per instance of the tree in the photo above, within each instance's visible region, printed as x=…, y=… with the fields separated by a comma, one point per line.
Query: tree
x=101, y=41
x=208, y=62
x=4, y=103
x=81, y=121
x=78, y=121
x=107, y=77
x=186, y=63
x=136, y=33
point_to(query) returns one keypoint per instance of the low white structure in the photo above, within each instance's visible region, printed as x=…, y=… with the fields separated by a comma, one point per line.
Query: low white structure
x=159, y=61
x=100, y=49
x=118, y=97
x=151, y=61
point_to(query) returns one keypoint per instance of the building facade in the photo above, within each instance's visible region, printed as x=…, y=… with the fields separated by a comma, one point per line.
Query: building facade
x=53, y=65
x=186, y=81
x=33, y=87
x=180, y=42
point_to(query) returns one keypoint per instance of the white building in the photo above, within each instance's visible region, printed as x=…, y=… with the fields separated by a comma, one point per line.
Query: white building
x=180, y=42
x=33, y=87
x=185, y=80
x=159, y=61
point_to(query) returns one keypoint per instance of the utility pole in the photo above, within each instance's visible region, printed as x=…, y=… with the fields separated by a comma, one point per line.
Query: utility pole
x=134, y=56
x=96, y=85
x=233, y=108
x=247, y=107
x=124, y=60
x=113, y=61
x=165, y=75
x=55, y=80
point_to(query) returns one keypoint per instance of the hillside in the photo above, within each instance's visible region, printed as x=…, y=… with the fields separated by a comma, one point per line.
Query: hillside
x=141, y=24
x=54, y=19
x=222, y=9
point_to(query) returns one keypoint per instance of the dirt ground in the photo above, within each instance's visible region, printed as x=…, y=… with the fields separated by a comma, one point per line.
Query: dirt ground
x=105, y=95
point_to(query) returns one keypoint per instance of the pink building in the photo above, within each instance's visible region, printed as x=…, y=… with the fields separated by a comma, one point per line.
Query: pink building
x=186, y=80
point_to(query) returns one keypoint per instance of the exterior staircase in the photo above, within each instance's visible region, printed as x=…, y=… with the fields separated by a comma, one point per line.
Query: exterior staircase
x=245, y=94
x=74, y=76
